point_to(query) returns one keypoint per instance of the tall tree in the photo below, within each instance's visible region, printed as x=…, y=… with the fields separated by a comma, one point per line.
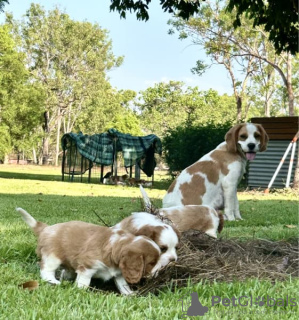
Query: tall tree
x=70, y=60
x=2, y=4
x=111, y=109
x=244, y=52
x=169, y=105
x=161, y=107
x=20, y=99
x=278, y=17
x=184, y=8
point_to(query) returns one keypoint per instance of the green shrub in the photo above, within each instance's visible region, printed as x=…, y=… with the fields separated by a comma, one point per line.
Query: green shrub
x=184, y=145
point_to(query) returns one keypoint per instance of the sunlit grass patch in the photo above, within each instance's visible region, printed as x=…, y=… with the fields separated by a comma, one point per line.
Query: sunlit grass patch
x=270, y=217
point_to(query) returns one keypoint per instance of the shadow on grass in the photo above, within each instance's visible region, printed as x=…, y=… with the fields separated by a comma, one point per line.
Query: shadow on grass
x=162, y=184
x=30, y=176
x=159, y=184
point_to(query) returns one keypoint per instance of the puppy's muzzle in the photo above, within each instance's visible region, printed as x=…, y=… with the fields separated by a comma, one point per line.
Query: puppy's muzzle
x=251, y=146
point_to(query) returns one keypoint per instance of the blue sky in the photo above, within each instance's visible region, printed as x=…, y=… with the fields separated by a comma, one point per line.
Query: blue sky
x=150, y=54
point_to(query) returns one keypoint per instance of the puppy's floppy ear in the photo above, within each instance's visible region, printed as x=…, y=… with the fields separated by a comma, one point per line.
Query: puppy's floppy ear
x=264, y=137
x=231, y=138
x=132, y=266
x=150, y=232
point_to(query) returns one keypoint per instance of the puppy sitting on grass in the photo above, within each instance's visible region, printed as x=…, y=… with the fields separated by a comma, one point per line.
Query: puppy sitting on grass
x=93, y=251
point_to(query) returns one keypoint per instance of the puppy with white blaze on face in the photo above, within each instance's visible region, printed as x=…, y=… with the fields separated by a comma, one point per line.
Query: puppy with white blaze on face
x=92, y=251
x=214, y=178
x=165, y=236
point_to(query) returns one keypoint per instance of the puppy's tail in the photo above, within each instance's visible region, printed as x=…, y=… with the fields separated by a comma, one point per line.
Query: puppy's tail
x=146, y=199
x=147, y=204
x=36, y=226
x=221, y=222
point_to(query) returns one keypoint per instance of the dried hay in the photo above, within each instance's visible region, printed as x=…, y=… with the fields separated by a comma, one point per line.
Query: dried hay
x=203, y=258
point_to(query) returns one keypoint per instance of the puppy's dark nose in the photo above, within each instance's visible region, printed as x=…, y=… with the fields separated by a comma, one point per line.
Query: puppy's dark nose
x=251, y=146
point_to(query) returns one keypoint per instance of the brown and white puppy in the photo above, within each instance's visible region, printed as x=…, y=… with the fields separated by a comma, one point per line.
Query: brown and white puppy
x=189, y=217
x=137, y=182
x=165, y=236
x=117, y=180
x=93, y=251
x=194, y=217
x=213, y=179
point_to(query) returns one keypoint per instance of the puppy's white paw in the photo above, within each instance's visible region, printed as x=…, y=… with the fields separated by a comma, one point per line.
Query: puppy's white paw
x=52, y=281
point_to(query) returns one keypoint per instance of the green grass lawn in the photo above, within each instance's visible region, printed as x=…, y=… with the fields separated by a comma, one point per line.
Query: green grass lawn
x=40, y=191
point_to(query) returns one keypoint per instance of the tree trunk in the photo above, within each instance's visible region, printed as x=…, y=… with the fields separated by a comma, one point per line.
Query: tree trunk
x=58, y=136
x=289, y=85
x=34, y=156
x=239, y=109
x=268, y=94
x=267, y=108
x=6, y=159
x=46, y=138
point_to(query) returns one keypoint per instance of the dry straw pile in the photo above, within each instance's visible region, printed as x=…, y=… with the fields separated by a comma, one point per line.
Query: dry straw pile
x=203, y=258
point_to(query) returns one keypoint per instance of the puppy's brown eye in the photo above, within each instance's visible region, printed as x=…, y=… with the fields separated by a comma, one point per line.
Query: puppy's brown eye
x=163, y=249
x=243, y=136
x=257, y=136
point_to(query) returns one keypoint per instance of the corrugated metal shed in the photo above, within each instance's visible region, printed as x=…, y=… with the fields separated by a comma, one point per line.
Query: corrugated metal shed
x=262, y=168
x=281, y=131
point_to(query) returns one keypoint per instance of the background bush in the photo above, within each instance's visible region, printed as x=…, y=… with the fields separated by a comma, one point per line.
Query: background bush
x=184, y=145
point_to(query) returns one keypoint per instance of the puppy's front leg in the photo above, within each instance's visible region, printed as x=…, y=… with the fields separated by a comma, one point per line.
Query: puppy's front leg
x=230, y=202
x=237, y=210
x=84, y=277
x=48, y=266
x=122, y=285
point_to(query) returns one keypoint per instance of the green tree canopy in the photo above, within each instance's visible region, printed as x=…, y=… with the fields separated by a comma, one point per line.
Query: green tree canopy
x=20, y=99
x=279, y=17
x=2, y=4
x=184, y=9
x=169, y=105
x=69, y=59
x=111, y=109
x=246, y=53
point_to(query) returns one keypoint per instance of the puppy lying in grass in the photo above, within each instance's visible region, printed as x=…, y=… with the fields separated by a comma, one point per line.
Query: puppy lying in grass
x=189, y=217
x=93, y=251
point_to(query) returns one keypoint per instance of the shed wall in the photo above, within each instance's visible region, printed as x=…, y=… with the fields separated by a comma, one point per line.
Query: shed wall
x=281, y=131
x=264, y=165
